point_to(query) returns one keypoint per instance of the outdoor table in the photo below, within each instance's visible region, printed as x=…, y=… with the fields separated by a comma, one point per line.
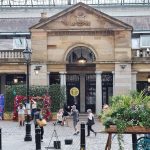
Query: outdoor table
x=129, y=130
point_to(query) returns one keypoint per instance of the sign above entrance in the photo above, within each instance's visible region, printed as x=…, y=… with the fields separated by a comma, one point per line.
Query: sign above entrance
x=74, y=91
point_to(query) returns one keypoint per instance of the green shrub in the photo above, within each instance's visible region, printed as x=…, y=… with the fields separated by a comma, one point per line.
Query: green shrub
x=127, y=110
x=56, y=92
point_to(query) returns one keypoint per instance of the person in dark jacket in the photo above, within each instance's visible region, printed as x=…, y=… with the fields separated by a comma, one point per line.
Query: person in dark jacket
x=37, y=115
x=75, y=117
x=90, y=122
x=66, y=114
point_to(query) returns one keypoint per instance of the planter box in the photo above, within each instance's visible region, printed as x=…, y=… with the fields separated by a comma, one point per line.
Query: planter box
x=131, y=129
x=54, y=117
x=8, y=116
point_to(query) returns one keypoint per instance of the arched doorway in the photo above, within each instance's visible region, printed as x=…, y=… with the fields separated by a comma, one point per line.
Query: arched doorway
x=81, y=75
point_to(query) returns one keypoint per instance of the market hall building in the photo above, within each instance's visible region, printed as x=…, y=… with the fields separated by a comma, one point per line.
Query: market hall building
x=89, y=52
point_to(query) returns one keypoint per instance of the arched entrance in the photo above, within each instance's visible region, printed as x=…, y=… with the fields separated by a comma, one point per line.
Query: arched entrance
x=81, y=75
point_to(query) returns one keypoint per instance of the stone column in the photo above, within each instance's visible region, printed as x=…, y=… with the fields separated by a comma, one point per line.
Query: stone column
x=48, y=83
x=113, y=72
x=98, y=91
x=63, y=78
x=63, y=82
x=82, y=94
x=134, y=88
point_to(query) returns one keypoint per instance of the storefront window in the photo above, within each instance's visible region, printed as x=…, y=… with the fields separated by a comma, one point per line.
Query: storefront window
x=13, y=79
x=54, y=78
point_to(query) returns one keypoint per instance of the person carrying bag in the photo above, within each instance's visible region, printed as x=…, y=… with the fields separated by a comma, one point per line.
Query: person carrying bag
x=38, y=121
x=90, y=122
x=41, y=122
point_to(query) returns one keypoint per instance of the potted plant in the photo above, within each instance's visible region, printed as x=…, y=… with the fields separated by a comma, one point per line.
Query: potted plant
x=127, y=113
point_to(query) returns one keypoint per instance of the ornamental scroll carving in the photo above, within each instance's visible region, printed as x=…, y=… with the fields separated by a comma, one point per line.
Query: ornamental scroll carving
x=80, y=20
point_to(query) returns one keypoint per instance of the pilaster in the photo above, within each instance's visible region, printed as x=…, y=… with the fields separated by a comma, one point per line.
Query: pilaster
x=98, y=91
x=41, y=78
x=134, y=79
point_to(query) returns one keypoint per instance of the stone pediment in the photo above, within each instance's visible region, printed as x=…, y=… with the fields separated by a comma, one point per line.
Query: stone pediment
x=81, y=16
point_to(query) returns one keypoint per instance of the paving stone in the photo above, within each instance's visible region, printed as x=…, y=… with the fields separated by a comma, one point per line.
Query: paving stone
x=13, y=137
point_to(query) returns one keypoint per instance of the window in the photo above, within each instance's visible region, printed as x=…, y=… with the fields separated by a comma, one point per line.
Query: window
x=19, y=43
x=135, y=43
x=144, y=41
x=54, y=78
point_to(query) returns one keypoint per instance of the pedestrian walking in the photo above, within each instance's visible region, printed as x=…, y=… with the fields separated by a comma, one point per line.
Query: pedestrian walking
x=38, y=116
x=66, y=114
x=75, y=117
x=21, y=114
x=60, y=117
x=90, y=122
x=34, y=107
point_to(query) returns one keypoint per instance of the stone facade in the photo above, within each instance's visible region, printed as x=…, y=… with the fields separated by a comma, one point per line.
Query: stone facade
x=109, y=39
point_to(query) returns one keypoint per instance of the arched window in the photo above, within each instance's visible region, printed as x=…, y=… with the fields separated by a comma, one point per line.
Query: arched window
x=80, y=52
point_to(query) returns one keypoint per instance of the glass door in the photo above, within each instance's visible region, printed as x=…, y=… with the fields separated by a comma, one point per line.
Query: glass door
x=73, y=82
x=107, y=87
x=90, y=91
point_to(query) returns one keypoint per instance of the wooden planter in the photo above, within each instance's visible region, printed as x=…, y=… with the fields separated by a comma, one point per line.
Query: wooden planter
x=8, y=116
x=54, y=117
x=131, y=129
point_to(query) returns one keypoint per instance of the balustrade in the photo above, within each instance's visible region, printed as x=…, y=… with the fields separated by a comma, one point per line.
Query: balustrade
x=141, y=55
x=18, y=54
x=11, y=54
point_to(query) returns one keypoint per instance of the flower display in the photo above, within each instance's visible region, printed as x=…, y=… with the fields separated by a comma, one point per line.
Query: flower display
x=44, y=103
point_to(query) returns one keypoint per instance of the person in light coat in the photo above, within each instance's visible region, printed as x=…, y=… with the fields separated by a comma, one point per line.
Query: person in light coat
x=21, y=114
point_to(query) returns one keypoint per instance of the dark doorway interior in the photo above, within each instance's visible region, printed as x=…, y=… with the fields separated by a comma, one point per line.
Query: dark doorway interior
x=90, y=92
x=73, y=80
x=143, y=86
x=107, y=87
x=13, y=79
x=54, y=78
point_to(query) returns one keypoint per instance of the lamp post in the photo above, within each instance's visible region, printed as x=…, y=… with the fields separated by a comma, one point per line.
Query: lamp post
x=27, y=55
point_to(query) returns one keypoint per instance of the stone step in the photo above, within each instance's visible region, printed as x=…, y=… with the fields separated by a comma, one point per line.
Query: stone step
x=84, y=116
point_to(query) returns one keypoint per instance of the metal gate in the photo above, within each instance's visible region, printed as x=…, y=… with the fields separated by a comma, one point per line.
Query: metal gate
x=107, y=87
x=90, y=91
x=73, y=80
x=88, y=94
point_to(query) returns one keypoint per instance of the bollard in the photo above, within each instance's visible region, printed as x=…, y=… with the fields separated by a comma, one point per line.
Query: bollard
x=82, y=137
x=134, y=140
x=0, y=139
x=38, y=138
x=28, y=136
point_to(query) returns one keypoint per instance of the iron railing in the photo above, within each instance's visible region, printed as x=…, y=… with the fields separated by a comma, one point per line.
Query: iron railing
x=47, y=3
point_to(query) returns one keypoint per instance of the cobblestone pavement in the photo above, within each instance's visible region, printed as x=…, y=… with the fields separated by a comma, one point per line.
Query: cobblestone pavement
x=13, y=137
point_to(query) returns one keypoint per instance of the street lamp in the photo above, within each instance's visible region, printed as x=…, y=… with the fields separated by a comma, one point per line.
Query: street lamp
x=37, y=69
x=27, y=55
x=81, y=59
